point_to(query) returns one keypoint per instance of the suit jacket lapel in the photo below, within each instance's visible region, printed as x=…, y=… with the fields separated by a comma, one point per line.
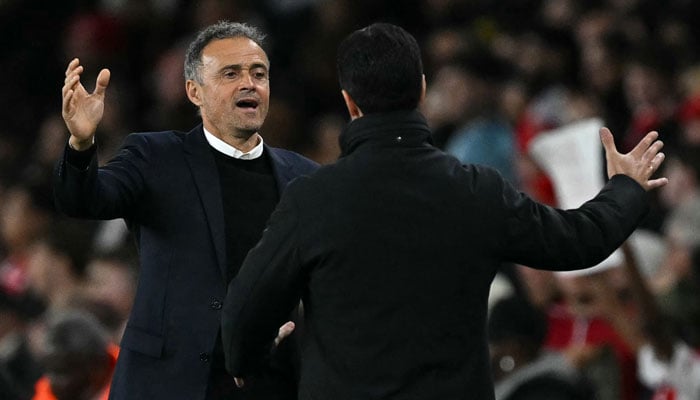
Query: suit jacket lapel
x=281, y=169
x=206, y=177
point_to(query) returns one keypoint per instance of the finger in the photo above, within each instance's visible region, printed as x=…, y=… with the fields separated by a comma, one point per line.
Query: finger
x=654, y=164
x=102, y=82
x=71, y=65
x=656, y=161
x=651, y=154
x=70, y=84
x=644, y=144
x=73, y=74
x=239, y=382
x=656, y=183
x=284, y=331
x=608, y=141
x=66, y=101
x=606, y=138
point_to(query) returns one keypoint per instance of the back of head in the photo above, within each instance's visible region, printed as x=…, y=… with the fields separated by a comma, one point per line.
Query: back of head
x=75, y=355
x=514, y=318
x=75, y=333
x=380, y=67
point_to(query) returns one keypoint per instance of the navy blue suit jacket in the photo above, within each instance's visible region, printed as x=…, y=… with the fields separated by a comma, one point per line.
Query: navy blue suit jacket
x=166, y=186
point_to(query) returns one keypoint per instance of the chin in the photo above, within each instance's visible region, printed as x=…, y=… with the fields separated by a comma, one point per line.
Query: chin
x=252, y=129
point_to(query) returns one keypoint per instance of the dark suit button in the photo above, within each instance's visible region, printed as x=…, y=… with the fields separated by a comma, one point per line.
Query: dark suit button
x=215, y=304
x=204, y=357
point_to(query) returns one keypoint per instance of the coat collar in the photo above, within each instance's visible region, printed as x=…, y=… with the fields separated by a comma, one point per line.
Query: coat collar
x=393, y=128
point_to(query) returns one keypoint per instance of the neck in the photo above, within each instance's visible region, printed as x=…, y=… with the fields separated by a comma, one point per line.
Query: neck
x=243, y=141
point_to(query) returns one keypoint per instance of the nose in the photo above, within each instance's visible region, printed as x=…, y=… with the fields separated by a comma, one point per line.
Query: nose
x=247, y=82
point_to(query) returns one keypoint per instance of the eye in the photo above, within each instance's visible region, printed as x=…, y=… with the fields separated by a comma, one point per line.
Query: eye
x=260, y=74
x=230, y=74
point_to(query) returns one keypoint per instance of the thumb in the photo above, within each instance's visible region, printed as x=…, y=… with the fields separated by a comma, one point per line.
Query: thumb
x=102, y=82
x=606, y=138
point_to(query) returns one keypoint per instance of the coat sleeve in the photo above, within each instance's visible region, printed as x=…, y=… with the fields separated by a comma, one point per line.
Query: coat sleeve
x=102, y=192
x=265, y=291
x=543, y=237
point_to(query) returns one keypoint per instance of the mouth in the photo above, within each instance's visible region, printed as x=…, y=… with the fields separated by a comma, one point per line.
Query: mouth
x=248, y=104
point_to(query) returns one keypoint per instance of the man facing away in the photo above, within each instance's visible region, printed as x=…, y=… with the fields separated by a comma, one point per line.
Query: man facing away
x=392, y=249
x=196, y=203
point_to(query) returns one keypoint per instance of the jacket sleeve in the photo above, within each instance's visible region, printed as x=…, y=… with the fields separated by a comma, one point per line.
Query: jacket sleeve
x=104, y=192
x=543, y=237
x=265, y=291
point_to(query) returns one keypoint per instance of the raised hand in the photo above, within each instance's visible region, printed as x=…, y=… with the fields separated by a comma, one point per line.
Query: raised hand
x=82, y=111
x=640, y=163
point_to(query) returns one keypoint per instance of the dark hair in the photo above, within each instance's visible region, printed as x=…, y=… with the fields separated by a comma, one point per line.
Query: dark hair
x=380, y=67
x=219, y=30
x=514, y=318
x=76, y=333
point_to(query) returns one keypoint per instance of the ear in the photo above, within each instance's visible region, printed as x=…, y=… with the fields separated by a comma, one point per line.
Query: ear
x=423, y=90
x=353, y=109
x=192, y=89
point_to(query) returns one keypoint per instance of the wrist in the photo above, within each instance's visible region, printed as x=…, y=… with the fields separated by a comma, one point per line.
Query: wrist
x=81, y=144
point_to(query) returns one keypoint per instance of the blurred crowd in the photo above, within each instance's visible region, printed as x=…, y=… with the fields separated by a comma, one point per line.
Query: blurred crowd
x=499, y=74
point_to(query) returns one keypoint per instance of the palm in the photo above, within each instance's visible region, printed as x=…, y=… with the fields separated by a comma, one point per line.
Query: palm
x=84, y=113
x=640, y=163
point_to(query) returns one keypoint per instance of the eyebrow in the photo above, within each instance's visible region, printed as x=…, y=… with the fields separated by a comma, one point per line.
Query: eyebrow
x=239, y=67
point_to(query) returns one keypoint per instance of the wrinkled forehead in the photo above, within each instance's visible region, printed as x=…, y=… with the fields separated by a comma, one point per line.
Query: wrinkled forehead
x=234, y=51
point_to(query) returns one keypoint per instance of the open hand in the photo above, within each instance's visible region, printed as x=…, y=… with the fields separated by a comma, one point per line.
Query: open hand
x=82, y=111
x=640, y=163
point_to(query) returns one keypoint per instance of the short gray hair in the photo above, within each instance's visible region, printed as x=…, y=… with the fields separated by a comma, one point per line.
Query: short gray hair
x=219, y=30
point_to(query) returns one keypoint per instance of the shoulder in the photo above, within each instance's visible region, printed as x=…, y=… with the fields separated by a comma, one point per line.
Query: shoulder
x=147, y=144
x=474, y=172
x=295, y=160
x=162, y=137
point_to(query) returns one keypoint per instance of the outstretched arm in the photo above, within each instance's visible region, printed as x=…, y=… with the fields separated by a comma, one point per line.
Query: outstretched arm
x=82, y=111
x=547, y=238
x=640, y=163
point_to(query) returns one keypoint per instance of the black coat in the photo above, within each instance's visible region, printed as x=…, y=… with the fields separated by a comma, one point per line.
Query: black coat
x=393, y=250
x=166, y=185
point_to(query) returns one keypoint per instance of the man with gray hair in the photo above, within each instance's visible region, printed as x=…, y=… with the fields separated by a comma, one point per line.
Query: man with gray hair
x=196, y=203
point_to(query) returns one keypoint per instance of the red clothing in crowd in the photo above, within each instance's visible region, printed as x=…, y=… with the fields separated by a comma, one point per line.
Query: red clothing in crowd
x=565, y=330
x=42, y=389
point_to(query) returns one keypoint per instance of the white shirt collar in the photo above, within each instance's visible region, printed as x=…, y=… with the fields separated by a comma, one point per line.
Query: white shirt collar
x=223, y=147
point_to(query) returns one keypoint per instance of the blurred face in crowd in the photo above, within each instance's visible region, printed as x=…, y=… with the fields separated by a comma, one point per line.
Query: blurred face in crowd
x=643, y=86
x=593, y=295
x=541, y=286
x=580, y=294
x=43, y=267
x=20, y=221
x=691, y=132
x=112, y=283
x=681, y=183
x=234, y=93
